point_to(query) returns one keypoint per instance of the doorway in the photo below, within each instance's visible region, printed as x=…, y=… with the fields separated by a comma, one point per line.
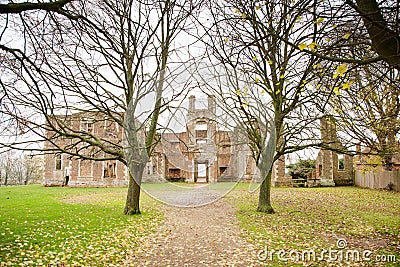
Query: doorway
x=201, y=172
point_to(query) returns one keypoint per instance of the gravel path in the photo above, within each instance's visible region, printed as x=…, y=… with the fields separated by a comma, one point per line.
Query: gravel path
x=197, y=196
x=201, y=236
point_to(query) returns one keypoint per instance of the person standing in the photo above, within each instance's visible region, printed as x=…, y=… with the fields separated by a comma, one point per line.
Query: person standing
x=67, y=174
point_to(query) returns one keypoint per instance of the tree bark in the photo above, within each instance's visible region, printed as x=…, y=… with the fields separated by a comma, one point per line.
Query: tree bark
x=133, y=196
x=264, y=200
x=384, y=40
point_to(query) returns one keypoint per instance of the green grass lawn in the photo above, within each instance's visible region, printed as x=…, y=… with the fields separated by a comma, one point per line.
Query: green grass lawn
x=85, y=226
x=315, y=218
x=76, y=226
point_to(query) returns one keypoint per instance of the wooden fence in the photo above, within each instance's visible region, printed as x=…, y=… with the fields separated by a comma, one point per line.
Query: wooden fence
x=377, y=179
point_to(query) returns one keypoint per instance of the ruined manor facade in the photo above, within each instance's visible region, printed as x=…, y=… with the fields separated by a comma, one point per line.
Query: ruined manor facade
x=62, y=168
x=201, y=153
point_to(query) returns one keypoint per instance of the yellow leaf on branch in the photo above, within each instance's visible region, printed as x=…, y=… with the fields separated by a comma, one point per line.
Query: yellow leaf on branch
x=319, y=21
x=342, y=69
x=312, y=46
x=336, y=90
x=302, y=46
x=317, y=66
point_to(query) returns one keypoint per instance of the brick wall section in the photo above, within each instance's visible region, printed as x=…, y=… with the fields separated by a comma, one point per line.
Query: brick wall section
x=84, y=172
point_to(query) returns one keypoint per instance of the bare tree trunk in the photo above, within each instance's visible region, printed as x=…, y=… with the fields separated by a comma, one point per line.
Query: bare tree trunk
x=264, y=200
x=133, y=196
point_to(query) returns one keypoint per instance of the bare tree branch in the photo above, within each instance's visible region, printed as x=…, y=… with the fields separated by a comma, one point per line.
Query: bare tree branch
x=15, y=8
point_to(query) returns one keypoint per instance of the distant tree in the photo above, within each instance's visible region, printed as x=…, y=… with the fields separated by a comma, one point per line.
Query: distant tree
x=7, y=170
x=301, y=169
x=33, y=166
x=17, y=169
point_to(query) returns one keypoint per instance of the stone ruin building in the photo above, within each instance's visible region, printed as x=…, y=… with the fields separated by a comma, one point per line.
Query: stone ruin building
x=332, y=168
x=201, y=153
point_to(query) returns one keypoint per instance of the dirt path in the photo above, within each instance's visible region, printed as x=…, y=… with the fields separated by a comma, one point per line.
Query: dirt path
x=202, y=236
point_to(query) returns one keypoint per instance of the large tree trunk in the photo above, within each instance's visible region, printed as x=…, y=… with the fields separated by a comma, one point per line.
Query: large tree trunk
x=385, y=42
x=264, y=200
x=133, y=196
